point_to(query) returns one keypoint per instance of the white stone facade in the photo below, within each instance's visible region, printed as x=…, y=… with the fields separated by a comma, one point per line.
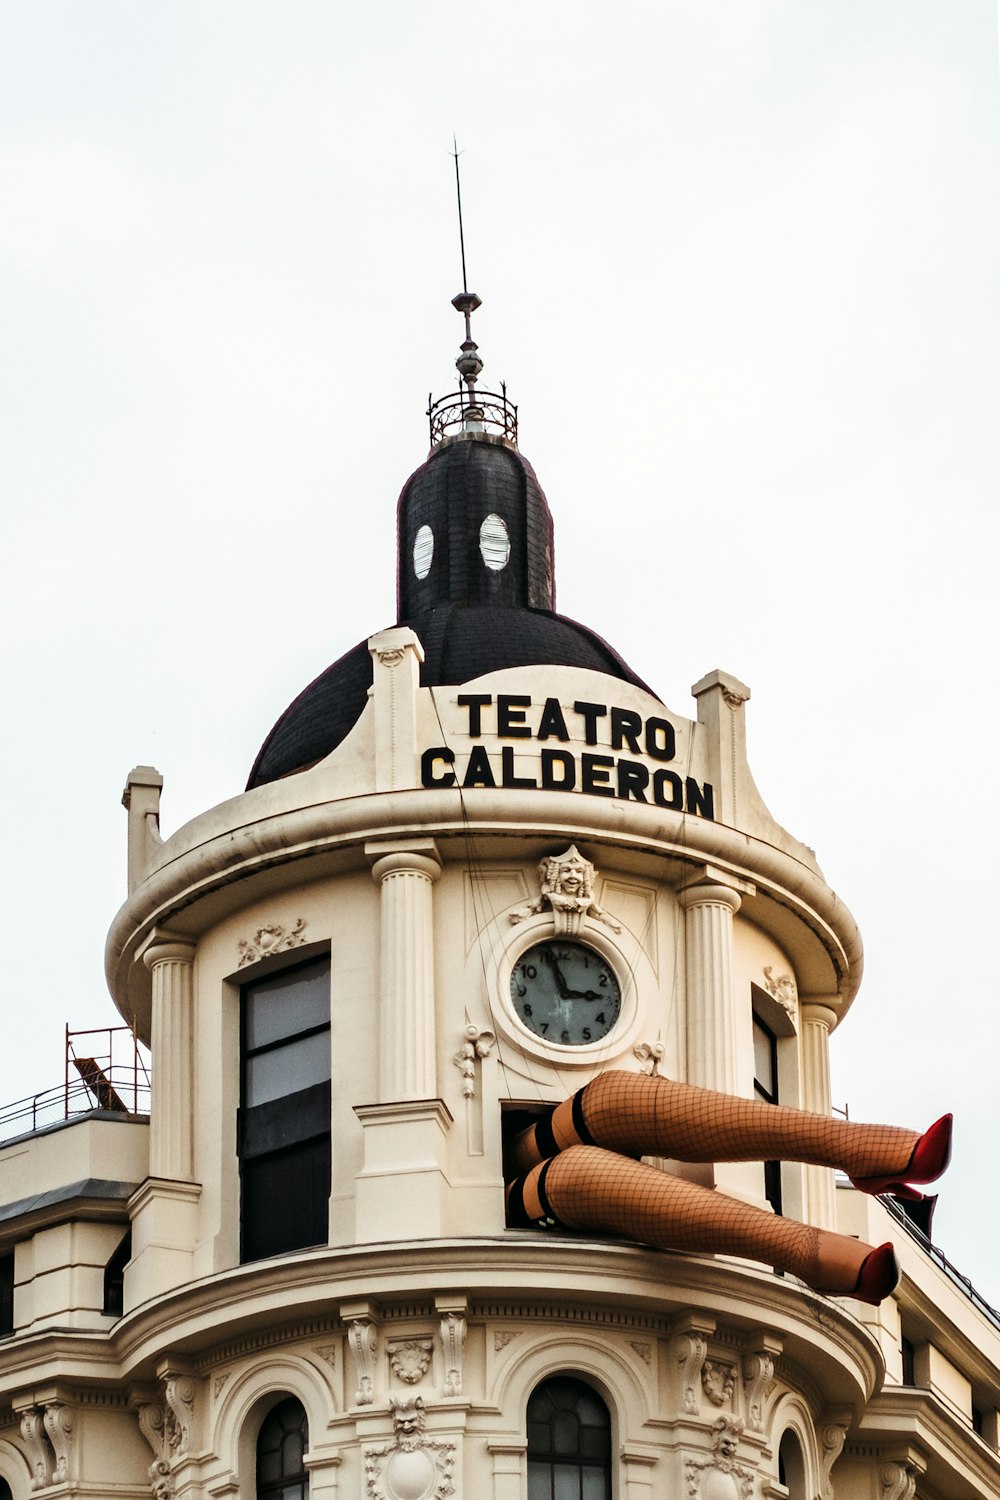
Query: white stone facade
x=419, y=891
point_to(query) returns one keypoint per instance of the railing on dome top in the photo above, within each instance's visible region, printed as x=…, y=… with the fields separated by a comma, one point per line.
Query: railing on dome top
x=491, y=411
x=108, y=1073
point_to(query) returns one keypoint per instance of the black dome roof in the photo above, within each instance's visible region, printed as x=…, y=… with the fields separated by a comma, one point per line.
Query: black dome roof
x=472, y=617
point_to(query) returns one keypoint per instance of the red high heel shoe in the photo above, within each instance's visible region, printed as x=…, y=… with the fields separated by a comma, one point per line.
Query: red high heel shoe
x=930, y=1156
x=879, y=1275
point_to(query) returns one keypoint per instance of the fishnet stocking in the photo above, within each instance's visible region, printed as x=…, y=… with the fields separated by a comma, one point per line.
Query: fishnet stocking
x=640, y=1116
x=588, y=1188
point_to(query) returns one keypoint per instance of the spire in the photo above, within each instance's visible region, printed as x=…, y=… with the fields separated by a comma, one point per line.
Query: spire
x=469, y=412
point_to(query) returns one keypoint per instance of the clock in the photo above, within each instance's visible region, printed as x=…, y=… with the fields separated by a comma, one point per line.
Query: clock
x=566, y=993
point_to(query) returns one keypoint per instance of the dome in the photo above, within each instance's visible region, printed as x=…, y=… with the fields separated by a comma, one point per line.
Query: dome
x=475, y=581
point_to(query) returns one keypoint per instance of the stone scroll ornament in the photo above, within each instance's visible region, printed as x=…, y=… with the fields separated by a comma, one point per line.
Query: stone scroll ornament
x=579, y=1168
x=567, y=888
x=274, y=938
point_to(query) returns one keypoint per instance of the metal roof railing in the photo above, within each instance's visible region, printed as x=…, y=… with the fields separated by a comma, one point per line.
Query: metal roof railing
x=105, y=1069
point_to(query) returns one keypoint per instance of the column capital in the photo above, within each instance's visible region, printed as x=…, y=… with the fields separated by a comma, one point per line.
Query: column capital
x=817, y=1013
x=710, y=895
x=163, y=946
x=419, y=856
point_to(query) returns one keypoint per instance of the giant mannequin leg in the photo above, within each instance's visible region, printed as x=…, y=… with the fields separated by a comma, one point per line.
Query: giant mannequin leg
x=585, y=1187
x=641, y=1116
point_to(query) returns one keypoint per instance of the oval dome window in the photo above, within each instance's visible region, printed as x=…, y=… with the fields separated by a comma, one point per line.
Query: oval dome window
x=494, y=543
x=423, y=551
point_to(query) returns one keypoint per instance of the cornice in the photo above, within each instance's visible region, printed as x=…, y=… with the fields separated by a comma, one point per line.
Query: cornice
x=959, y=1464
x=504, y=1277
x=195, y=881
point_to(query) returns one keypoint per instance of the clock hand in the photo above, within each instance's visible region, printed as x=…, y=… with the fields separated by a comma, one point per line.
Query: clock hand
x=583, y=995
x=564, y=991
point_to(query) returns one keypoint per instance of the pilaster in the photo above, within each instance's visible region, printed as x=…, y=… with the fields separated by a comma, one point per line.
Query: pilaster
x=712, y=1017
x=816, y=1021
x=405, y=873
x=396, y=657
x=721, y=698
x=170, y=960
x=141, y=800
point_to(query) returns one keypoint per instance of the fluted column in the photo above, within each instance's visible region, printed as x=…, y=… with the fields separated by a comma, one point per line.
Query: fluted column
x=816, y=1021
x=711, y=985
x=406, y=876
x=170, y=960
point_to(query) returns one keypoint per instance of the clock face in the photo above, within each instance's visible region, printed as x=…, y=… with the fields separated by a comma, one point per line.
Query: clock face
x=566, y=993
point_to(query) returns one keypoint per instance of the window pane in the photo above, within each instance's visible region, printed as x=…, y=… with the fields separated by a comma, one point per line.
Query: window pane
x=288, y=1003
x=565, y=1433
x=566, y=1482
x=288, y=1070
x=539, y=1481
x=763, y=1059
x=595, y=1484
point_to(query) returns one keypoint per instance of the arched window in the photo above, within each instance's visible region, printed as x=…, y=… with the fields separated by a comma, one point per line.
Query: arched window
x=791, y=1466
x=281, y=1451
x=569, y=1442
x=5, y=1490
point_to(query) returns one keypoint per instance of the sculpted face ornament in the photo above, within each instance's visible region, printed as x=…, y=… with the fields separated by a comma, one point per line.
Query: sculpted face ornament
x=567, y=888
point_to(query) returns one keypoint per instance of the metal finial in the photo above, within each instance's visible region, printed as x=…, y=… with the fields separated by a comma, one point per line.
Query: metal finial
x=469, y=410
x=458, y=192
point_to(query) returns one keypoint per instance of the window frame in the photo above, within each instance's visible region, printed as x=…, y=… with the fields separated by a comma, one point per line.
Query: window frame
x=279, y=1131
x=552, y=1458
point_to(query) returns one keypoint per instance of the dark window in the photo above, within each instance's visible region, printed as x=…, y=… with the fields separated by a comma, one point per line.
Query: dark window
x=791, y=1467
x=114, y=1277
x=907, y=1351
x=284, y=1123
x=281, y=1452
x=6, y=1294
x=765, y=1085
x=977, y=1421
x=569, y=1442
x=5, y=1490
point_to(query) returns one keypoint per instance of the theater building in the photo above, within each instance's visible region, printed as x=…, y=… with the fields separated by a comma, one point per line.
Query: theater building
x=291, y=1274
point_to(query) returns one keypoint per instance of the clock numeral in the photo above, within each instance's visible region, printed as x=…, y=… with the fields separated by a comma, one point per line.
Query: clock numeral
x=543, y=1028
x=601, y=1018
x=529, y=971
x=586, y=1033
x=565, y=1038
x=604, y=981
x=527, y=1010
x=522, y=989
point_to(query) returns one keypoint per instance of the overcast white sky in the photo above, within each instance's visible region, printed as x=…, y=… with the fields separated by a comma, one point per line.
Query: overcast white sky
x=739, y=261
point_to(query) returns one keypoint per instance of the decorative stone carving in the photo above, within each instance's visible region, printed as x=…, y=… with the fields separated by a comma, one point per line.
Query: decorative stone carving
x=502, y=1337
x=475, y=1046
x=410, y=1359
x=363, y=1336
x=718, y=1381
x=734, y=699
x=453, y=1331
x=567, y=889
x=781, y=989
x=179, y=1389
x=650, y=1055
x=219, y=1382
x=154, y=1423
x=40, y=1456
x=644, y=1351
x=58, y=1423
x=692, y=1348
x=413, y=1466
x=328, y=1353
x=391, y=657
x=833, y=1436
x=723, y=1460
x=758, y=1372
x=898, y=1481
x=274, y=938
